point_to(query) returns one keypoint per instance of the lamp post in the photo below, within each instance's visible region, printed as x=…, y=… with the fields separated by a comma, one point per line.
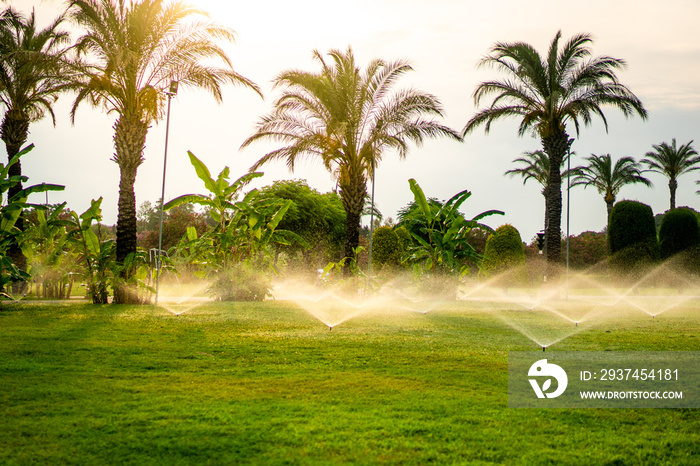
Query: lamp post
x=371, y=233
x=568, y=208
x=171, y=92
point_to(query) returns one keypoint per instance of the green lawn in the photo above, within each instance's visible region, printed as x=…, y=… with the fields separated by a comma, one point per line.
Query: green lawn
x=268, y=384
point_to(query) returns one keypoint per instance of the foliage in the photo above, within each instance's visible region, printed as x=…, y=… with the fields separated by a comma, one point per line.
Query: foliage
x=130, y=54
x=318, y=219
x=387, y=247
x=504, y=252
x=632, y=240
x=348, y=119
x=440, y=233
x=241, y=282
x=175, y=224
x=672, y=162
x=608, y=178
x=546, y=92
x=679, y=231
x=46, y=243
x=96, y=255
x=636, y=259
x=246, y=232
x=223, y=205
x=631, y=222
x=587, y=249
x=10, y=213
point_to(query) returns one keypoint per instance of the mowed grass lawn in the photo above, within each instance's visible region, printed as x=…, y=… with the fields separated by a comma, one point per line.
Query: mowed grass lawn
x=241, y=383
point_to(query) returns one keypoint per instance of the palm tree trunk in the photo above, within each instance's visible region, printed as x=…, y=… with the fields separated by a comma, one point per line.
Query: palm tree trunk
x=353, y=192
x=14, y=132
x=555, y=147
x=672, y=186
x=129, y=142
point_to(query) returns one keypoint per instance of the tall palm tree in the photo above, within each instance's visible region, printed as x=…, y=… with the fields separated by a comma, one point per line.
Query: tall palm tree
x=133, y=50
x=534, y=165
x=607, y=178
x=547, y=92
x=348, y=119
x=672, y=162
x=32, y=76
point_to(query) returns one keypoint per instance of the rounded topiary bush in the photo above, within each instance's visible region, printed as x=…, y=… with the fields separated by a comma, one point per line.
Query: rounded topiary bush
x=631, y=222
x=386, y=247
x=632, y=238
x=404, y=237
x=504, y=252
x=679, y=231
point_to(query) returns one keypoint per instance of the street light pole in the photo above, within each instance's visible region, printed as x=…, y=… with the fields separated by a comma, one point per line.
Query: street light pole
x=371, y=233
x=171, y=92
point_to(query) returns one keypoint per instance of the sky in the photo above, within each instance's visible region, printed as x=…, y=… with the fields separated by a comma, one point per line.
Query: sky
x=443, y=40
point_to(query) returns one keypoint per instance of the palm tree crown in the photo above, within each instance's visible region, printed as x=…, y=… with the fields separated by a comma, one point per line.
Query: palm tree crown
x=534, y=165
x=547, y=92
x=348, y=119
x=133, y=51
x=32, y=75
x=607, y=178
x=672, y=162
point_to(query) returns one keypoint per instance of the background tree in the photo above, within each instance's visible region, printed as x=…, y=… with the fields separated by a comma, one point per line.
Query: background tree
x=32, y=76
x=348, y=119
x=319, y=219
x=607, y=178
x=134, y=50
x=535, y=166
x=547, y=92
x=672, y=162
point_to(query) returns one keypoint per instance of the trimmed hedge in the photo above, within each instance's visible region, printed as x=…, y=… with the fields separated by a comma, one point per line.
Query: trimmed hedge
x=631, y=222
x=679, y=231
x=386, y=247
x=504, y=250
x=632, y=238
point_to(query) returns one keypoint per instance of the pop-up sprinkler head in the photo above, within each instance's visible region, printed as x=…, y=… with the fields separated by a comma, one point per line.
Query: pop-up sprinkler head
x=330, y=329
x=543, y=348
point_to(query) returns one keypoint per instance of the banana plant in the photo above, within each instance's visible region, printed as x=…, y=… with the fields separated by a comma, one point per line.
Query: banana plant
x=245, y=227
x=440, y=232
x=46, y=244
x=96, y=255
x=10, y=212
x=221, y=200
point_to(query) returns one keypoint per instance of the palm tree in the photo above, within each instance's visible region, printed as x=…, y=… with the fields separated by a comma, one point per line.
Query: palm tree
x=348, y=119
x=672, y=162
x=547, y=92
x=31, y=78
x=606, y=178
x=135, y=50
x=535, y=166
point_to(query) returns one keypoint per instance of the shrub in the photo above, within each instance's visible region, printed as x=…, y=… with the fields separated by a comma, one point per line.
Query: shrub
x=504, y=251
x=241, y=282
x=587, y=249
x=386, y=246
x=635, y=260
x=679, y=231
x=631, y=222
x=632, y=238
x=404, y=237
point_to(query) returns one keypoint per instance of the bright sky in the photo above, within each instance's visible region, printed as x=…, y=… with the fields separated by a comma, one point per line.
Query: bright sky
x=443, y=39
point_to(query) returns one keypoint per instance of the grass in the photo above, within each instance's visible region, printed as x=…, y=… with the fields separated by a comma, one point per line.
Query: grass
x=268, y=384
